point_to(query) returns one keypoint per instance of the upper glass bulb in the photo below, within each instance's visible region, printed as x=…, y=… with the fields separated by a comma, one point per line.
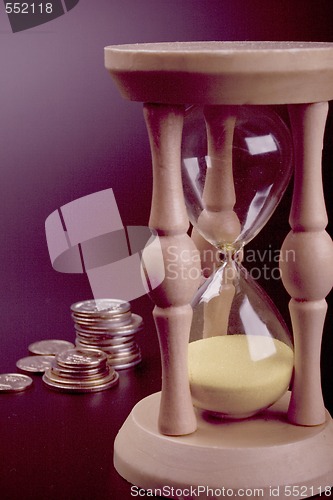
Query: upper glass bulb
x=236, y=164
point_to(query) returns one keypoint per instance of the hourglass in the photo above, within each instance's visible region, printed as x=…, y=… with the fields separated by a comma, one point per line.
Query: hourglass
x=240, y=357
x=222, y=159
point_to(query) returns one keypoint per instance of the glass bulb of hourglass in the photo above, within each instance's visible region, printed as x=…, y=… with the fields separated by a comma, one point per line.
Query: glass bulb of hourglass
x=261, y=167
x=240, y=354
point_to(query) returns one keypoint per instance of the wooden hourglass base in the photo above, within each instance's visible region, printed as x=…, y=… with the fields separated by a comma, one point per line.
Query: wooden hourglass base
x=264, y=455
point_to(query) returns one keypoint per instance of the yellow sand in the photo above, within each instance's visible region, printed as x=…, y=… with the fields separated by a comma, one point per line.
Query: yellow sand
x=238, y=375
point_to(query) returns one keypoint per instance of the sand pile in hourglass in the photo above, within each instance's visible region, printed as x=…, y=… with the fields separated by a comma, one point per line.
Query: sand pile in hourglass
x=238, y=375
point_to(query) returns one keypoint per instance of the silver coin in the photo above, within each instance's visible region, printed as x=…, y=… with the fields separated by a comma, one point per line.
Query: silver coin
x=103, y=345
x=135, y=326
x=81, y=358
x=124, y=366
x=100, y=307
x=87, y=382
x=83, y=388
x=120, y=357
x=124, y=318
x=49, y=347
x=35, y=364
x=75, y=373
x=14, y=382
x=99, y=329
x=129, y=356
x=125, y=350
x=121, y=351
x=111, y=339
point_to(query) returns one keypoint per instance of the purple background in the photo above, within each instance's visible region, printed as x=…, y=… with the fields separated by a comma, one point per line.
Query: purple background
x=65, y=132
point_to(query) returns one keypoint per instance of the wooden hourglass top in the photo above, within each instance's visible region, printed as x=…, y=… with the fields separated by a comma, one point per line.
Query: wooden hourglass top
x=223, y=72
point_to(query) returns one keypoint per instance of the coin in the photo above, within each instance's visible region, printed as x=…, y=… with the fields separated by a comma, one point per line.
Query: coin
x=122, y=350
x=131, y=328
x=81, y=358
x=35, y=364
x=124, y=318
x=103, y=345
x=83, y=388
x=14, y=382
x=100, y=307
x=98, y=339
x=122, y=358
x=49, y=347
x=77, y=382
x=125, y=365
x=75, y=373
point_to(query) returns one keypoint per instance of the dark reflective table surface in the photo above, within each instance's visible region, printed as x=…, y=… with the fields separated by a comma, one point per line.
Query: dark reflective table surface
x=59, y=445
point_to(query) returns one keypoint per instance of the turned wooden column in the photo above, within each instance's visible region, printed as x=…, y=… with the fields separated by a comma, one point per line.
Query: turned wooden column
x=307, y=262
x=172, y=313
x=218, y=221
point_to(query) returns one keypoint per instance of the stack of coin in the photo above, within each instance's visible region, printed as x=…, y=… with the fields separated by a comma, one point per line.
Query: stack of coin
x=110, y=326
x=80, y=370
